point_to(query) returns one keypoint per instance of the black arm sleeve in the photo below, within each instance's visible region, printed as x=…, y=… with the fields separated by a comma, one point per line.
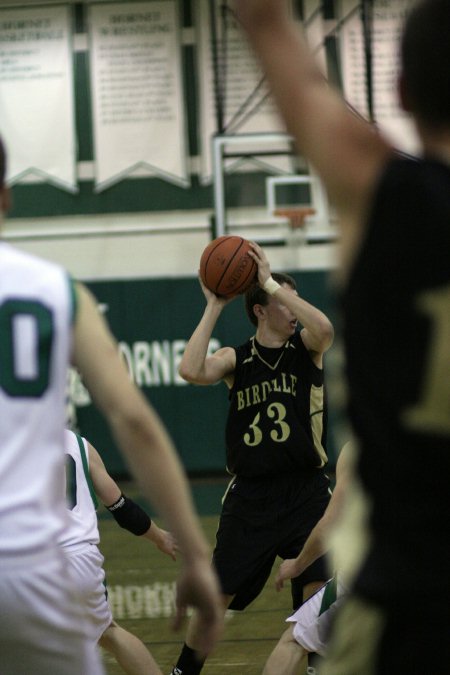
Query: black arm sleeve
x=130, y=516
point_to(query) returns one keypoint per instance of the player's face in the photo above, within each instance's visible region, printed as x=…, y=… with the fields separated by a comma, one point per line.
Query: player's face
x=280, y=319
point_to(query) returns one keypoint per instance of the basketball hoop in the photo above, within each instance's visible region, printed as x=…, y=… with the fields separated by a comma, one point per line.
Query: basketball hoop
x=295, y=215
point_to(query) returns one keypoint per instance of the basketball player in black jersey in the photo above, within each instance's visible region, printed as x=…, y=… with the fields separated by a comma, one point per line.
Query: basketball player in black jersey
x=275, y=438
x=395, y=285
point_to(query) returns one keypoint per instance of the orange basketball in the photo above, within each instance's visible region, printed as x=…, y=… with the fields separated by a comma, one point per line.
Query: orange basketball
x=225, y=266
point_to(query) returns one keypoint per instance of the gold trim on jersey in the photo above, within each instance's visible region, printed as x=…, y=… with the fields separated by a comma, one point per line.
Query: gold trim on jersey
x=228, y=488
x=316, y=419
x=255, y=352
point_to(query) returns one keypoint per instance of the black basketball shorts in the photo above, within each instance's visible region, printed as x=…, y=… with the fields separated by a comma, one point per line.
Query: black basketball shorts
x=262, y=519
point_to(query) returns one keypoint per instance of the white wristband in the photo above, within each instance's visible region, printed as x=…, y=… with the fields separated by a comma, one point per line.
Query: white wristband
x=271, y=286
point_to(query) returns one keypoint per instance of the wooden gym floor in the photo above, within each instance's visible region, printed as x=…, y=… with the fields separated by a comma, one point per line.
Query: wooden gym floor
x=140, y=582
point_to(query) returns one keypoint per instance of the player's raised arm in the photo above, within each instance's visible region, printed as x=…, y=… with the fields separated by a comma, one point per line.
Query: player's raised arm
x=346, y=151
x=317, y=333
x=196, y=366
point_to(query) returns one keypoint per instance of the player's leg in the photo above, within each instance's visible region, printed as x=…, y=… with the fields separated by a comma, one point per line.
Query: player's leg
x=311, y=659
x=243, y=558
x=303, y=589
x=297, y=644
x=307, y=509
x=129, y=651
x=304, y=592
x=312, y=621
x=287, y=657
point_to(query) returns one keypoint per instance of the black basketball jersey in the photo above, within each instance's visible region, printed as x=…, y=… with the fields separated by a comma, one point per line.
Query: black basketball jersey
x=277, y=416
x=397, y=341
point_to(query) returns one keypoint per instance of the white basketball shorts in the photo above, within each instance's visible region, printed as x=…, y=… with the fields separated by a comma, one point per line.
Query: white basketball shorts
x=42, y=624
x=312, y=620
x=86, y=568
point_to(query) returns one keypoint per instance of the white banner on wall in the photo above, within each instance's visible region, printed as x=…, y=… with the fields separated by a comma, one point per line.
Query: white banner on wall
x=389, y=16
x=247, y=107
x=137, y=92
x=36, y=94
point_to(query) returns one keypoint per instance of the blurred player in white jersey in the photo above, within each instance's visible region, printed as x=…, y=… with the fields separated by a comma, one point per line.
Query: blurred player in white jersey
x=42, y=626
x=87, y=479
x=44, y=321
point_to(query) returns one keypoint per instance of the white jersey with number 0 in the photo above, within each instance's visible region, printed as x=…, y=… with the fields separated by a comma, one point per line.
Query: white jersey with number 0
x=36, y=314
x=81, y=536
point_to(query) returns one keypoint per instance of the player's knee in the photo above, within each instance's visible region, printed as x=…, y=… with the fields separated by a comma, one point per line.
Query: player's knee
x=288, y=636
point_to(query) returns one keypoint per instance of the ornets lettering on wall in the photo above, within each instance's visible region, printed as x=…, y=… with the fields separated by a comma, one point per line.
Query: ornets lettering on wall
x=155, y=363
x=150, y=364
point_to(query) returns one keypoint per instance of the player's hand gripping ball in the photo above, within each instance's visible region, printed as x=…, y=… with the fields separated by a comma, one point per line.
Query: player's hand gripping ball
x=226, y=269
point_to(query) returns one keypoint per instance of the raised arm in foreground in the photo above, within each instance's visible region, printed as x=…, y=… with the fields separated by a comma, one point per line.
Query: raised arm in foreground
x=345, y=150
